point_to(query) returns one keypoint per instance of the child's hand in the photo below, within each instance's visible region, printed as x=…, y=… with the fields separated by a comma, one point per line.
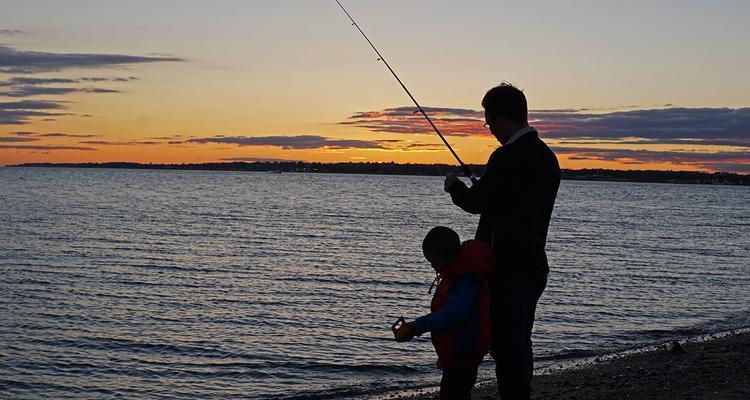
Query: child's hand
x=405, y=332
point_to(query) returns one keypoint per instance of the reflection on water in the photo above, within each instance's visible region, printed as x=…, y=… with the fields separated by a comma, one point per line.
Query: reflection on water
x=223, y=284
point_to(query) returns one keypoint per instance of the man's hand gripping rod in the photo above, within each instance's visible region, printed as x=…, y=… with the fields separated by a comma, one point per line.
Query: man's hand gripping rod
x=464, y=168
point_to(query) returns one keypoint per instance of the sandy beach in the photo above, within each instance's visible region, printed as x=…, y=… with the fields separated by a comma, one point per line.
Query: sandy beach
x=717, y=368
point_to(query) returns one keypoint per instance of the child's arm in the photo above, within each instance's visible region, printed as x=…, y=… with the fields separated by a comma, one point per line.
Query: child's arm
x=457, y=308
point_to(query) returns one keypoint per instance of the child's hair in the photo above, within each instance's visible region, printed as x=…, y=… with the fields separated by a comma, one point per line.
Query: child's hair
x=440, y=242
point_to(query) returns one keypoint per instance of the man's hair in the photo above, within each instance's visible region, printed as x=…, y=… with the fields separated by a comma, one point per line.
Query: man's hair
x=508, y=101
x=441, y=242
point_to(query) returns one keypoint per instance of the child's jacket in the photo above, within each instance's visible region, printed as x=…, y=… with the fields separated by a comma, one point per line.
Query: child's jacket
x=460, y=320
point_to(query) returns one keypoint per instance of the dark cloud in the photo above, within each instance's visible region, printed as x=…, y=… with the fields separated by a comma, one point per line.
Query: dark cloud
x=21, y=80
x=291, y=142
x=105, y=79
x=141, y=143
x=715, y=161
x=696, y=126
x=99, y=142
x=30, y=147
x=31, y=90
x=164, y=137
x=10, y=32
x=21, y=112
x=703, y=126
x=100, y=90
x=407, y=145
x=19, y=61
x=676, y=127
x=69, y=135
x=450, y=121
x=314, y=142
x=426, y=146
x=258, y=159
x=17, y=139
x=27, y=80
x=31, y=86
x=125, y=143
x=698, y=142
x=31, y=105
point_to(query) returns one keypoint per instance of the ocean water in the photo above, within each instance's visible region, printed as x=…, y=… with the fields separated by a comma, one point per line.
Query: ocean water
x=192, y=284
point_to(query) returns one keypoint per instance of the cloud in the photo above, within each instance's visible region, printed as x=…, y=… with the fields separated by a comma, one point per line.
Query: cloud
x=702, y=126
x=28, y=80
x=256, y=159
x=10, y=32
x=69, y=135
x=17, y=139
x=31, y=105
x=716, y=161
x=408, y=145
x=450, y=121
x=426, y=146
x=299, y=142
x=291, y=142
x=126, y=143
x=105, y=79
x=636, y=141
x=165, y=137
x=681, y=126
x=100, y=90
x=30, y=91
x=30, y=147
x=31, y=86
x=19, y=61
x=676, y=127
x=21, y=112
x=20, y=80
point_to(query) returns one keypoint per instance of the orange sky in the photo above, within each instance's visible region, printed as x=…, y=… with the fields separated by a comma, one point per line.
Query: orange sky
x=205, y=83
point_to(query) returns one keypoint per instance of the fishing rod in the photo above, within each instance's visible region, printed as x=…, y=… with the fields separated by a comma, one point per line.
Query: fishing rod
x=464, y=168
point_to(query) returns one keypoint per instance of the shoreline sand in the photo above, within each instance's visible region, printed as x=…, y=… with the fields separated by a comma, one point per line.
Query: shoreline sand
x=715, y=368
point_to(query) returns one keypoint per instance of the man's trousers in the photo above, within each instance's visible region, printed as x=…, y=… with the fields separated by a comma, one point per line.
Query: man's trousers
x=513, y=309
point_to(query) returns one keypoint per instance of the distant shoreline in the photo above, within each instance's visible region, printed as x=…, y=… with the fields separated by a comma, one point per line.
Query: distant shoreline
x=650, y=176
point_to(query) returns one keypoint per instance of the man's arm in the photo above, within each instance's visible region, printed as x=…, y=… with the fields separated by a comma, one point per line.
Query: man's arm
x=469, y=199
x=479, y=198
x=457, y=308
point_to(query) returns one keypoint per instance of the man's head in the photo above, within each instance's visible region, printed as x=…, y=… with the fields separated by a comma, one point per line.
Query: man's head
x=441, y=247
x=505, y=111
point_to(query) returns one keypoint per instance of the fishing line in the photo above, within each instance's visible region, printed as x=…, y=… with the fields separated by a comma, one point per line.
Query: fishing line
x=464, y=168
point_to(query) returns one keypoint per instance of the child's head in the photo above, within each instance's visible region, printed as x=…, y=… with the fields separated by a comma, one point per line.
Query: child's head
x=441, y=247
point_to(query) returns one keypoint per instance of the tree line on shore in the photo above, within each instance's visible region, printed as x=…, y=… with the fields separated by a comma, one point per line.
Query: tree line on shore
x=391, y=168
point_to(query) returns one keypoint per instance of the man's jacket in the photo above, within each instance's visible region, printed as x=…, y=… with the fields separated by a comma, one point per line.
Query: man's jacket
x=460, y=319
x=514, y=198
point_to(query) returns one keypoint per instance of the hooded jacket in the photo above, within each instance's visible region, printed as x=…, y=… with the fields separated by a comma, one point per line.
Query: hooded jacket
x=460, y=319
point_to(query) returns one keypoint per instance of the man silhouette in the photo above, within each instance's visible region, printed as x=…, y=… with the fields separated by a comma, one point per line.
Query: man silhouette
x=514, y=198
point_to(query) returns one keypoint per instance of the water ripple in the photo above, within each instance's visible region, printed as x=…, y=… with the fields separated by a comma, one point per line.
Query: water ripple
x=176, y=284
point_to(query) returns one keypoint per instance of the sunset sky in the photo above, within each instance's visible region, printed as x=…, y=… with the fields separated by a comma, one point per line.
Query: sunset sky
x=614, y=84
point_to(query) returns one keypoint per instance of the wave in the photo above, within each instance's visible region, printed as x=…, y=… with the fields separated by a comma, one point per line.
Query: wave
x=131, y=346
x=639, y=339
x=392, y=283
